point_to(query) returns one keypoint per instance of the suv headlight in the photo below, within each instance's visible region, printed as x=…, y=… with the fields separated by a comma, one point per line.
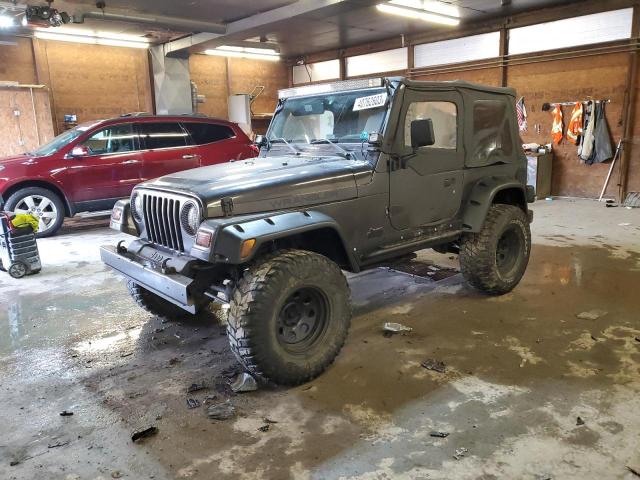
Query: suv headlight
x=137, y=207
x=190, y=218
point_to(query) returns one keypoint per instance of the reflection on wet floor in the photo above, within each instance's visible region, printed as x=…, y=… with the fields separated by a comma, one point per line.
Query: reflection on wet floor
x=520, y=368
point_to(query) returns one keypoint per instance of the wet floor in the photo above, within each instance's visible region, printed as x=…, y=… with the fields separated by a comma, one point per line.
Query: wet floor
x=519, y=371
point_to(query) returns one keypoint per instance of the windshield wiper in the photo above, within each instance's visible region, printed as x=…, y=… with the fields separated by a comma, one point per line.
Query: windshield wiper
x=343, y=152
x=280, y=139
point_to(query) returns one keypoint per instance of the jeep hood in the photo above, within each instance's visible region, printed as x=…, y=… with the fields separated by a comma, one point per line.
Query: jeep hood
x=266, y=184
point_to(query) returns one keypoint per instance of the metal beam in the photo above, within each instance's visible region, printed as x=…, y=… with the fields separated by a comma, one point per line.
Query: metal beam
x=258, y=23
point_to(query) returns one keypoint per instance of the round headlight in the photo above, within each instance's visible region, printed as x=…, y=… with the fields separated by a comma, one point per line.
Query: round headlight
x=136, y=207
x=190, y=218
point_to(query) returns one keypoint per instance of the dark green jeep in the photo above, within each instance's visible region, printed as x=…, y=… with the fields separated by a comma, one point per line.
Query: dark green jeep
x=350, y=175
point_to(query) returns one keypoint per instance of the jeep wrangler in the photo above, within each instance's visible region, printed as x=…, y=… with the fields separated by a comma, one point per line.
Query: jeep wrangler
x=350, y=175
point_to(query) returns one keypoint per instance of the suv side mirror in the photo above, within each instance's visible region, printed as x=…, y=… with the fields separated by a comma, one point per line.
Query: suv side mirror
x=422, y=133
x=260, y=141
x=79, y=151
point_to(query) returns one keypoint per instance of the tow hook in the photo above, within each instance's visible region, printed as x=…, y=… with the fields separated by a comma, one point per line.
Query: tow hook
x=120, y=248
x=166, y=270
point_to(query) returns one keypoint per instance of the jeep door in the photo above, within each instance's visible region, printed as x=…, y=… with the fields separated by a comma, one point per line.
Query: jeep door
x=426, y=183
x=167, y=149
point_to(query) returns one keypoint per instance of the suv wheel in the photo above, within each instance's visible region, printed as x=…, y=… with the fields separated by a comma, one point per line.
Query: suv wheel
x=289, y=316
x=45, y=205
x=494, y=259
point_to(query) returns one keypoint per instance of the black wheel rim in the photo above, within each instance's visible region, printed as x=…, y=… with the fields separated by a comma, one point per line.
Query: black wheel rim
x=509, y=250
x=302, y=320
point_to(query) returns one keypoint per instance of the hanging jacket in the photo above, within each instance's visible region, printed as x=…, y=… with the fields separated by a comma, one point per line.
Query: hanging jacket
x=586, y=147
x=574, y=129
x=602, y=149
x=557, y=126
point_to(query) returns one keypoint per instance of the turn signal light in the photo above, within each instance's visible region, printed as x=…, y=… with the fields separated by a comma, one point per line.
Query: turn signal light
x=203, y=239
x=116, y=214
x=247, y=247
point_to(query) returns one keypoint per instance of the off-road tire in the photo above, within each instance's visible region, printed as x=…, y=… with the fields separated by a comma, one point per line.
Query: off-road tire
x=258, y=303
x=15, y=199
x=156, y=305
x=479, y=256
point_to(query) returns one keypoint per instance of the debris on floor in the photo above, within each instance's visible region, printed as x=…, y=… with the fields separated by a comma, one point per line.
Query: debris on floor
x=193, y=403
x=116, y=474
x=391, y=328
x=460, y=452
x=635, y=471
x=579, y=421
x=438, y=434
x=244, y=383
x=591, y=314
x=65, y=413
x=424, y=269
x=435, y=365
x=264, y=428
x=221, y=411
x=146, y=433
x=195, y=387
x=268, y=420
x=58, y=444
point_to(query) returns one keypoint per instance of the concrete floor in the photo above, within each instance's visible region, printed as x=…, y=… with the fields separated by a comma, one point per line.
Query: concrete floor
x=520, y=369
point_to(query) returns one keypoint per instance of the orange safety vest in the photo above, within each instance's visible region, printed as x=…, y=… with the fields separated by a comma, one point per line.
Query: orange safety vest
x=574, y=129
x=557, y=127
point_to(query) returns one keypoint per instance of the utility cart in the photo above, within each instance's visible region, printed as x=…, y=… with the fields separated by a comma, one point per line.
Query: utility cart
x=18, y=249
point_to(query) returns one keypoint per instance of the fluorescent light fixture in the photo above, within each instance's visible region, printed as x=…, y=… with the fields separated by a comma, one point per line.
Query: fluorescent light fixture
x=6, y=21
x=430, y=6
x=416, y=14
x=97, y=38
x=245, y=52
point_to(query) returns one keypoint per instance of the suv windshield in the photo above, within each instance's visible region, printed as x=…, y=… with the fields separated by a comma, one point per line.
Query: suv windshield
x=344, y=117
x=61, y=140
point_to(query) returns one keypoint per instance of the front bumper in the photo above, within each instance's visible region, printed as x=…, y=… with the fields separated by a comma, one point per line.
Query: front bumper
x=173, y=287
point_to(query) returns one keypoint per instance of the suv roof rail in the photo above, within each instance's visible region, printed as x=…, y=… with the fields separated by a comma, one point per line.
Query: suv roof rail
x=136, y=114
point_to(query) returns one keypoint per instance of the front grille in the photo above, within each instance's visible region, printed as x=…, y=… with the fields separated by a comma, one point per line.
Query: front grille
x=162, y=221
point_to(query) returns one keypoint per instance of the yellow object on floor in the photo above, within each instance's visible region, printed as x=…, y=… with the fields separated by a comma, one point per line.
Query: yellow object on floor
x=25, y=219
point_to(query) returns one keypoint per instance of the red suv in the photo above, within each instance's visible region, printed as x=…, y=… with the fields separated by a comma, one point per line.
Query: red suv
x=93, y=165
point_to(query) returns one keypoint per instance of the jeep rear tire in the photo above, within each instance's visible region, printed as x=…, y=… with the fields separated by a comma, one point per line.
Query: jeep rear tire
x=289, y=316
x=155, y=304
x=495, y=259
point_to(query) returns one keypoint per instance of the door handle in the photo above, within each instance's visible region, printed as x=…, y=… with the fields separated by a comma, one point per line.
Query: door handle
x=130, y=162
x=190, y=156
x=449, y=181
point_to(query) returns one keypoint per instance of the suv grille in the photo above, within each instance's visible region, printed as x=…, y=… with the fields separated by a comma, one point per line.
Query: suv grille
x=162, y=221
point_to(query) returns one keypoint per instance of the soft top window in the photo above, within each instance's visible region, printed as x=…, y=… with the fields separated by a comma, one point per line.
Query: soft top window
x=492, y=137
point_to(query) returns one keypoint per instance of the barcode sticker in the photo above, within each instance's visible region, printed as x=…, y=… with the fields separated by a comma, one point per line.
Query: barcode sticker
x=372, y=101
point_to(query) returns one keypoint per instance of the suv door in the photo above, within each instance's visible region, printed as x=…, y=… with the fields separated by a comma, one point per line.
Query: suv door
x=426, y=184
x=111, y=167
x=167, y=149
x=219, y=142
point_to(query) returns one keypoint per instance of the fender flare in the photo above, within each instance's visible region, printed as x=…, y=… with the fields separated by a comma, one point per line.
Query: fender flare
x=229, y=235
x=482, y=197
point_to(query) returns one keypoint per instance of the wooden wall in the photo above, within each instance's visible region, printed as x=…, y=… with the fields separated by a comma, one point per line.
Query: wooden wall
x=93, y=81
x=219, y=77
x=16, y=61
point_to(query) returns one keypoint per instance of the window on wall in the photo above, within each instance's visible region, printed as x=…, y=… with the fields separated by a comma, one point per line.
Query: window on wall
x=445, y=123
x=571, y=32
x=458, y=50
x=316, y=72
x=379, y=62
x=491, y=131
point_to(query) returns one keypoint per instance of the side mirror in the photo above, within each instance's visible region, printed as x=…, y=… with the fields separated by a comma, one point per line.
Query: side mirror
x=422, y=133
x=260, y=141
x=79, y=151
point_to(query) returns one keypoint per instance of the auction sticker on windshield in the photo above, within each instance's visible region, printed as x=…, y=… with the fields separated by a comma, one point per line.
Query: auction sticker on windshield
x=372, y=101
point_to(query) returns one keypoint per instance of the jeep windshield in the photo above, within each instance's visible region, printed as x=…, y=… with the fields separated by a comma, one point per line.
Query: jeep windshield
x=324, y=121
